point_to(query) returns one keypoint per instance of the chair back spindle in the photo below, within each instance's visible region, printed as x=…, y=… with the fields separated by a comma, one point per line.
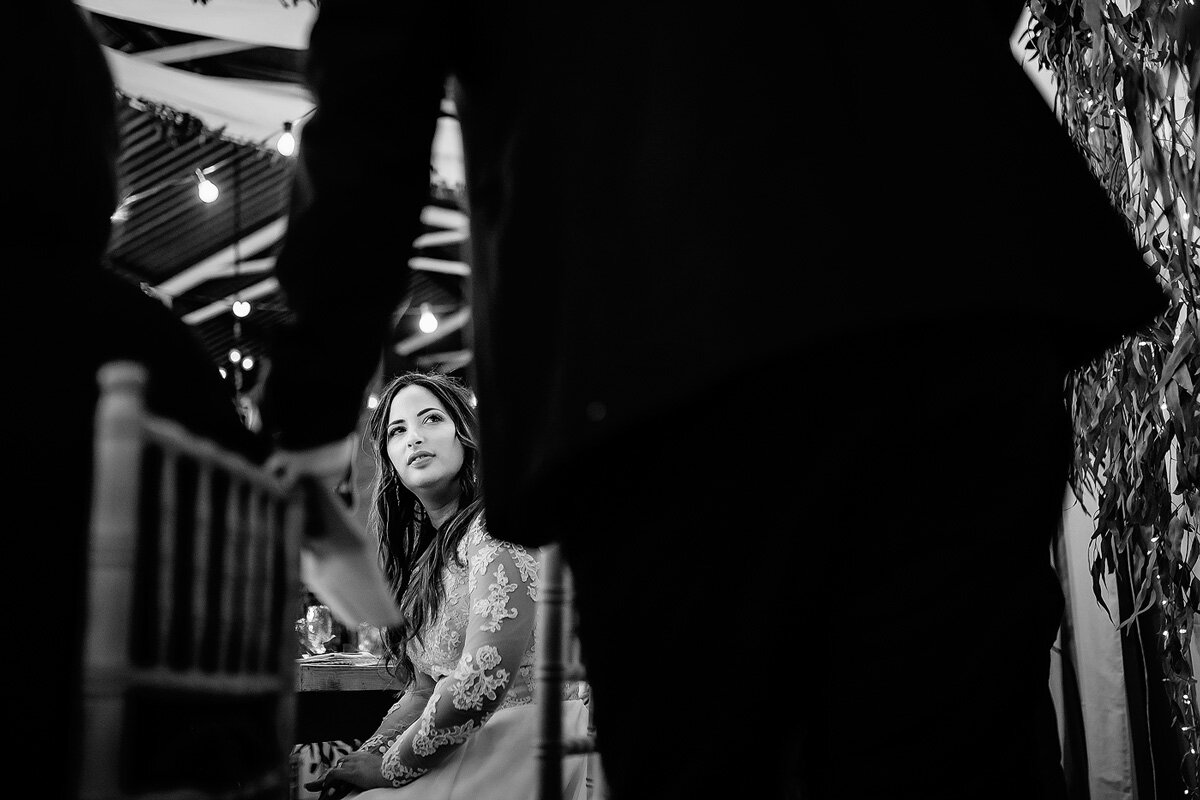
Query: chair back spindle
x=193, y=567
x=559, y=660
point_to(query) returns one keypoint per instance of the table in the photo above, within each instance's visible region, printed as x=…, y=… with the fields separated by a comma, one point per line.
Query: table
x=341, y=696
x=343, y=672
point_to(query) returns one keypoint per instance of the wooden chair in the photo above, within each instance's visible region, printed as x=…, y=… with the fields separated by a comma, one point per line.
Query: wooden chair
x=558, y=661
x=189, y=650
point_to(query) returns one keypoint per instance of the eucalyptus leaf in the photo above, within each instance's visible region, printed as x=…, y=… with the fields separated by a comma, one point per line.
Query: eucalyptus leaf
x=1184, y=378
x=1183, y=348
x=1132, y=404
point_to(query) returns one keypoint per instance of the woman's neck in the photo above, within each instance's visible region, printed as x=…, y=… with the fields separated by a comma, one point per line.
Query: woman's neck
x=440, y=510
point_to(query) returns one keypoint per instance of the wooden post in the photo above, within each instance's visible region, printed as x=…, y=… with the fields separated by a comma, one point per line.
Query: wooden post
x=111, y=545
x=549, y=674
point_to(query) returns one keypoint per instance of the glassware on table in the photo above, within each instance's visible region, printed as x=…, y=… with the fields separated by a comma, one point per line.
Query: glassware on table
x=369, y=639
x=318, y=628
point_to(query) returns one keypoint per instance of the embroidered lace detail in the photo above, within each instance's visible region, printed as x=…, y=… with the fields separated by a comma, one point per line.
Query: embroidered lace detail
x=429, y=739
x=378, y=743
x=483, y=639
x=483, y=557
x=528, y=566
x=495, y=605
x=474, y=683
x=401, y=775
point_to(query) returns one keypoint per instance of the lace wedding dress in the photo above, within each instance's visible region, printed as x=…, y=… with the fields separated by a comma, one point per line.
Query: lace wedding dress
x=476, y=735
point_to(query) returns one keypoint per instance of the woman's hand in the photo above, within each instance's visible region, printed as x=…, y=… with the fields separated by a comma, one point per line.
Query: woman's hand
x=354, y=771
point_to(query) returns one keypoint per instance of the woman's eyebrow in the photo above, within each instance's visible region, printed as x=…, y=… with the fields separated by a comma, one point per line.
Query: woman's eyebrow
x=396, y=422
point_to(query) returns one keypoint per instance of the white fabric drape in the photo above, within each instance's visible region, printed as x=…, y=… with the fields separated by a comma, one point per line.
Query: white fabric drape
x=1098, y=664
x=246, y=109
x=253, y=110
x=260, y=22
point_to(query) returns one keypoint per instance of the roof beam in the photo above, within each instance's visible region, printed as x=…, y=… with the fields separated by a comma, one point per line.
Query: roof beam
x=447, y=325
x=438, y=238
x=223, y=264
x=218, y=263
x=193, y=50
x=225, y=304
x=439, y=265
x=438, y=217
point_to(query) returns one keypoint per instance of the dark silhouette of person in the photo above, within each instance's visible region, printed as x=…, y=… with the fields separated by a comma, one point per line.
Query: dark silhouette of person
x=73, y=315
x=770, y=321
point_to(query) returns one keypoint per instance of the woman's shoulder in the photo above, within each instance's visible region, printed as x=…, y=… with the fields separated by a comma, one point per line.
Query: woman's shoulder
x=478, y=535
x=477, y=539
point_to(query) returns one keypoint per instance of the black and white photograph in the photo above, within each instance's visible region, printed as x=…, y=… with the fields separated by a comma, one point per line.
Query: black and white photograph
x=519, y=400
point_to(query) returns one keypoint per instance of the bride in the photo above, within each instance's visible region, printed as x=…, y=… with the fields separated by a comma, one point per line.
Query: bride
x=466, y=726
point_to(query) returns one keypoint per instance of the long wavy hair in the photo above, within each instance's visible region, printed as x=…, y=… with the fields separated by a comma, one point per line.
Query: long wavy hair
x=415, y=554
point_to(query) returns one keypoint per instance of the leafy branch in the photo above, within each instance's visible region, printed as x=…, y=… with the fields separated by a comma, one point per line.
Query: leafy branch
x=1126, y=91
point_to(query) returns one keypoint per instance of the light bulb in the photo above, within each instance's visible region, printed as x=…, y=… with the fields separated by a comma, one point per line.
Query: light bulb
x=372, y=401
x=241, y=308
x=222, y=371
x=207, y=189
x=428, y=322
x=248, y=362
x=235, y=355
x=286, y=144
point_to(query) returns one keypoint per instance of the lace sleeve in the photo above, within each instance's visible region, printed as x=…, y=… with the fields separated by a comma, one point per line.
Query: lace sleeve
x=403, y=713
x=503, y=584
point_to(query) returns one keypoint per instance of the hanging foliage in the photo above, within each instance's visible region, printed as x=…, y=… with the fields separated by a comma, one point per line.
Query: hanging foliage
x=1126, y=90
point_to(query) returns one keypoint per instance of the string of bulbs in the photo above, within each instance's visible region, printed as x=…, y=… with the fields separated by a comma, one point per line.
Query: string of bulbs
x=284, y=144
x=280, y=143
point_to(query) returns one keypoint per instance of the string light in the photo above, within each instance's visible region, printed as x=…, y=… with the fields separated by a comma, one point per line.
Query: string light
x=286, y=143
x=248, y=362
x=167, y=113
x=235, y=355
x=207, y=190
x=241, y=308
x=428, y=322
x=372, y=401
x=221, y=370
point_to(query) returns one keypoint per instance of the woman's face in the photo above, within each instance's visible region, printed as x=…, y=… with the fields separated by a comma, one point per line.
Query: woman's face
x=422, y=444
